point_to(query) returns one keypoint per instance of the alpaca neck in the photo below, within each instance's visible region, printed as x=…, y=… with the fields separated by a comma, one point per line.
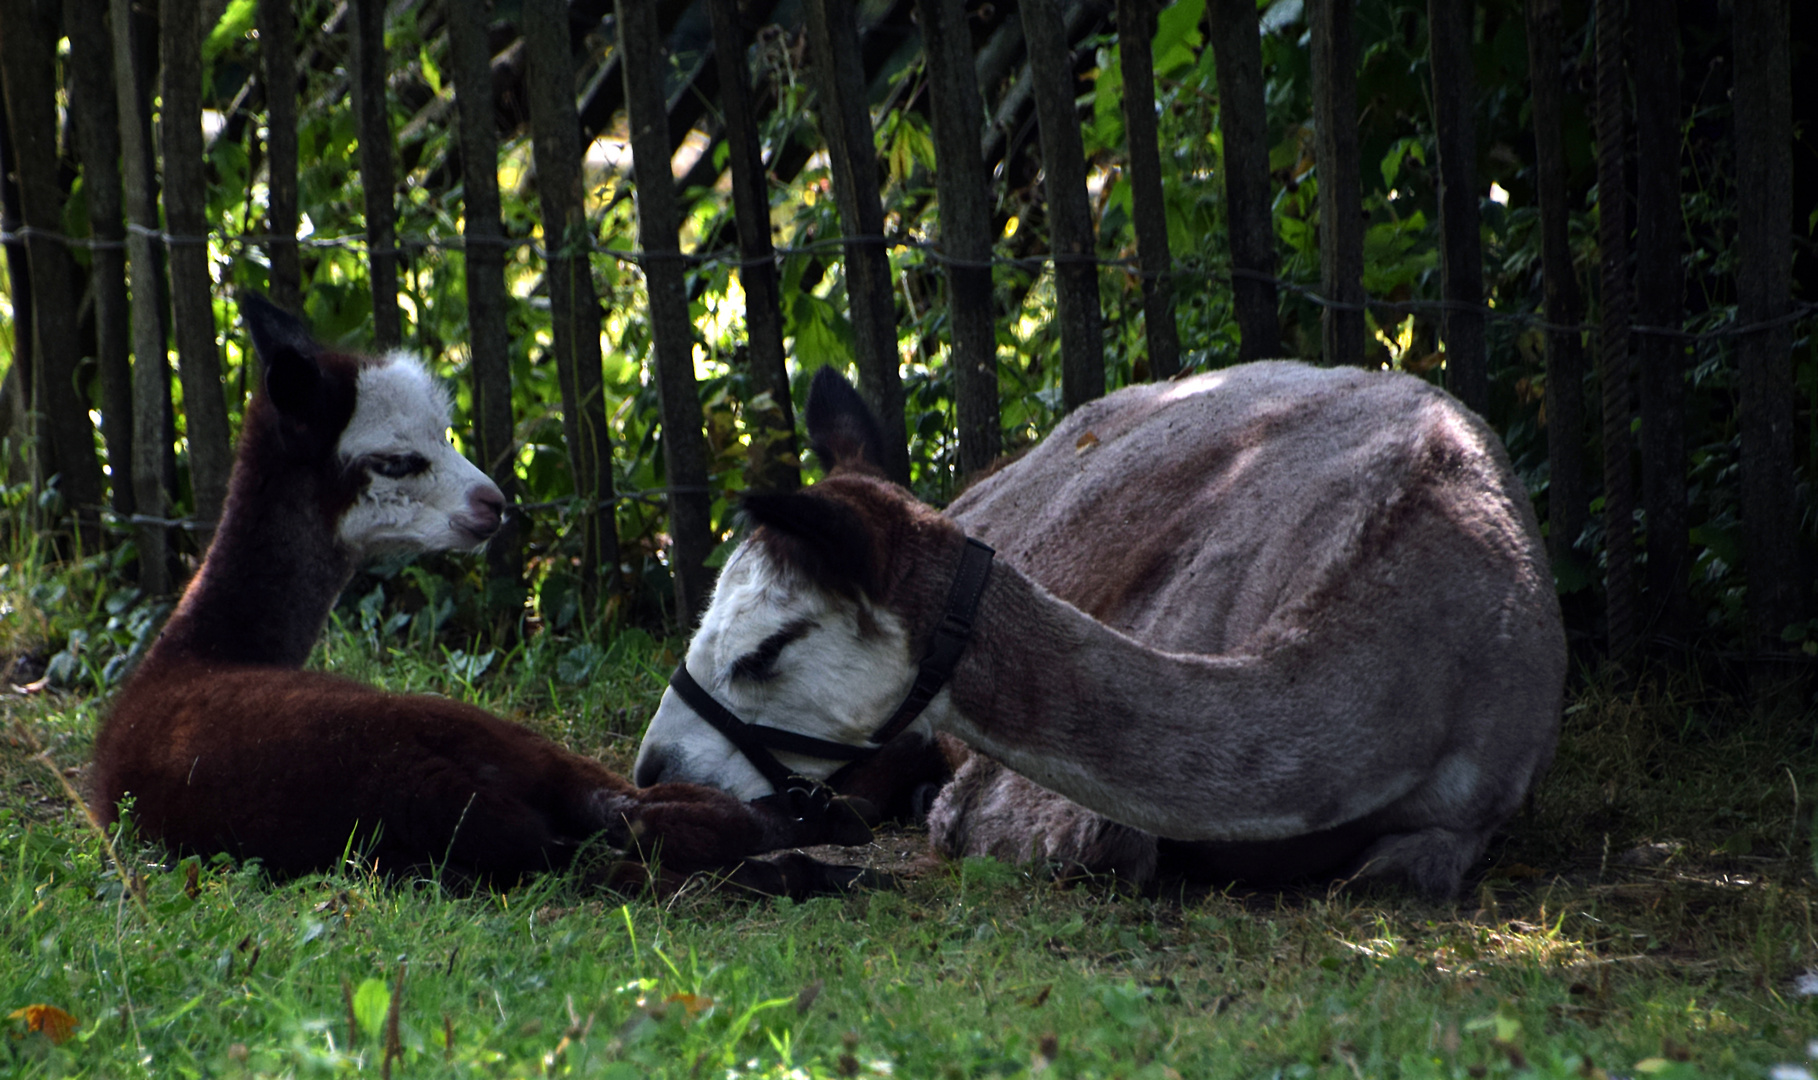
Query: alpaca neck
x=268, y=581
x=1190, y=747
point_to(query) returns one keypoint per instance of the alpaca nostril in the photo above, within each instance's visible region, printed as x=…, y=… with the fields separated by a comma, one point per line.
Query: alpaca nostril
x=649, y=770
x=485, y=509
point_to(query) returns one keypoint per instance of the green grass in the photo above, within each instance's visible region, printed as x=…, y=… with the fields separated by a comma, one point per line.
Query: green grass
x=1646, y=917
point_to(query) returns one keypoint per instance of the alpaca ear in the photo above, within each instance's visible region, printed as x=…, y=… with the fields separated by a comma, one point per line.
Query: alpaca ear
x=288, y=352
x=822, y=538
x=841, y=429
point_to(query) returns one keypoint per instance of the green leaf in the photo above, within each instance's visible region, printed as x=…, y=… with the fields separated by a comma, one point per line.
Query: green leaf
x=1177, y=35
x=1125, y=1003
x=235, y=22
x=371, y=1002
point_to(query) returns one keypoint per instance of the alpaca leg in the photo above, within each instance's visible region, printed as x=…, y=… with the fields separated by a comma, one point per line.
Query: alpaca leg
x=1432, y=862
x=989, y=810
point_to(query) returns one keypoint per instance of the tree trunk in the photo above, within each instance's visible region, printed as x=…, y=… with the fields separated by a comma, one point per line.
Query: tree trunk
x=1340, y=186
x=278, y=47
x=1449, y=29
x=852, y=150
x=963, y=185
x=1242, y=119
x=1615, y=368
x=770, y=416
x=18, y=422
x=1135, y=50
x=671, y=331
x=1778, y=594
x=97, y=110
x=152, y=428
x=1659, y=292
x=483, y=234
x=186, y=218
x=1069, y=207
x=372, y=118
x=573, y=304
x=29, y=66
x=1568, y=493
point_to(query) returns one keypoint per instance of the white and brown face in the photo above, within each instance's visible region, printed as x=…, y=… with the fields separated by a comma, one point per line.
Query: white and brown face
x=781, y=650
x=418, y=493
x=376, y=433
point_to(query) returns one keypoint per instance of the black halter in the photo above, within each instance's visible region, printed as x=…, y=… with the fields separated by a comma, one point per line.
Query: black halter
x=757, y=741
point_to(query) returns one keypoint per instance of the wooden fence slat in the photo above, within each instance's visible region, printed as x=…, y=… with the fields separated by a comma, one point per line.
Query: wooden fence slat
x=1135, y=45
x=1659, y=301
x=1242, y=120
x=1568, y=493
x=1069, y=207
x=378, y=176
x=964, y=187
x=852, y=151
x=152, y=428
x=29, y=71
x=483, y=231
x=671, y=331
x=574, y=305
x=1615, y=366
x=773, y=462
x=278, y=49
x=97, y=112
x=1334, y=39
x=191, y=287
x=1449, y=28
x=1778, y=593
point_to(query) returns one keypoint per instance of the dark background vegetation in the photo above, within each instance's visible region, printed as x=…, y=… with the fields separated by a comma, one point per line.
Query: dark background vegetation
x=148, y=180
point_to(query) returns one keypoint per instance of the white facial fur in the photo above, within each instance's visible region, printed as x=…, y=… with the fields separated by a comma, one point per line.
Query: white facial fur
x=436, y=498
x=840, y=680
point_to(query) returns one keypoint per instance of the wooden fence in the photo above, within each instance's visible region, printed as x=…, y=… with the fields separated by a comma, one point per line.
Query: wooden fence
x=998, y=75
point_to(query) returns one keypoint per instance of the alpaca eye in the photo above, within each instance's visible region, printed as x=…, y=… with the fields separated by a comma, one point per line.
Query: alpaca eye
x=398, y=466
x=759, y=665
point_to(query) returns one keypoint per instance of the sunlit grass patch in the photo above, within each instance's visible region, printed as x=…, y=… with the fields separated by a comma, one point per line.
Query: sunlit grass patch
x=1648, y=917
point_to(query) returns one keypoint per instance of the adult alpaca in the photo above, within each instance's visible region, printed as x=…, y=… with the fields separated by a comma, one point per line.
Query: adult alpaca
x=1295, y=621
x=224, y=744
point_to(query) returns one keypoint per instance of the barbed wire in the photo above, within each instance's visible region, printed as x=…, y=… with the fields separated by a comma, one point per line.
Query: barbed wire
x=729, y=257
x=650, y=496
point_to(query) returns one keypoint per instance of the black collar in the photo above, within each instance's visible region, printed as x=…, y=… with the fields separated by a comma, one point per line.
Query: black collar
x=756, y=741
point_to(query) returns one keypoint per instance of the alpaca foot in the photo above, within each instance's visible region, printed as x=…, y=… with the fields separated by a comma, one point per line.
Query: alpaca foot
x=687, y=827
x=1431, y=862
x=681, y=826
x=794, y=875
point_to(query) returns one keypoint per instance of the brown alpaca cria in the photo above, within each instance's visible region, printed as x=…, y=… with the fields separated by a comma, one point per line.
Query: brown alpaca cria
x=224, y=745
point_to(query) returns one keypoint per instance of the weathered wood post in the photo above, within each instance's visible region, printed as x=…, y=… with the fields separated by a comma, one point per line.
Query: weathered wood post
x=1135, y=49
x=1069, y=209
x=573, y=304
x=773, y=464
x=852, y=151
x=378, y=176
x=1237, y=52
x=152, y=436
x=1449, y=27
x=483, y=240
x=963, y=185
x=1334, y=40
x=191, y=296
x=1568, y=493
x=1659, y=302
x=29, y=70
x=1615, y=366
x=671, y=331
x=96, y=107
x=1777, y=592
x=278, y=49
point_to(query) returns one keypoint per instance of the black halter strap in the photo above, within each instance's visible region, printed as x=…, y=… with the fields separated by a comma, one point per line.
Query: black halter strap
x=756, y=741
